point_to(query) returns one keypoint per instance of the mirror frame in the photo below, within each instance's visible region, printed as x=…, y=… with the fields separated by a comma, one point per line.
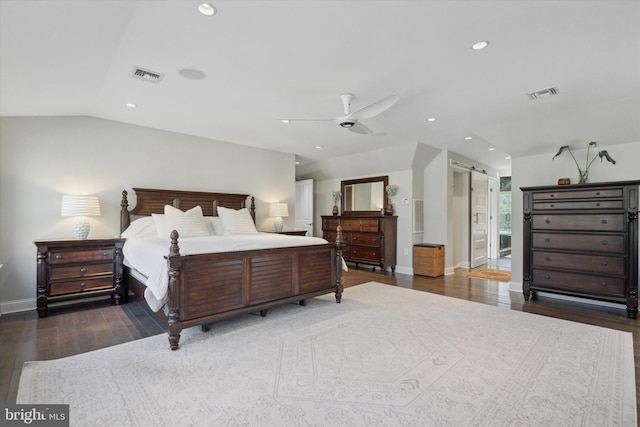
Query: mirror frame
x=385, y=181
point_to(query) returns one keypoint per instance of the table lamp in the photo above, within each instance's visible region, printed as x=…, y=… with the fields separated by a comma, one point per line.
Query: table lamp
x=80, y=207
x=278, y=210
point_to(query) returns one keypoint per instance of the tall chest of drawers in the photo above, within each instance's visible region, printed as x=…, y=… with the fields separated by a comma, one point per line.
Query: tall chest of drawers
x=368, y=240
x=582, y=240
x=75, y=269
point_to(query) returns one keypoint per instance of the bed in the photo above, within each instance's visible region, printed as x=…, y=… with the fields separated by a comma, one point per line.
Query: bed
x=202, y=288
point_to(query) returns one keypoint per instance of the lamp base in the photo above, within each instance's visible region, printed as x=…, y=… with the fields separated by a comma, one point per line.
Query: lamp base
x=278, y=224
x=81, y=228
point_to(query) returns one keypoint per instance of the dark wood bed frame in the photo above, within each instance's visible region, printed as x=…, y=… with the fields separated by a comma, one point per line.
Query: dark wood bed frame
x=205, y=288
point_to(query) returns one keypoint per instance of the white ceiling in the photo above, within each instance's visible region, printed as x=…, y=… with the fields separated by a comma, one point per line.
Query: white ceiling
x=266, y=60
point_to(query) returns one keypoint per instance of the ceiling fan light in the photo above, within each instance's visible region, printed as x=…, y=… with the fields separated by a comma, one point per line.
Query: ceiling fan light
x=347, y=124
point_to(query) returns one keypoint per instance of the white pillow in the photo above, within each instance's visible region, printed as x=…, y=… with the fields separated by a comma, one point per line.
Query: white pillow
x=140, y=228
x=236, y=221
x=188, y=224
x=216, y=223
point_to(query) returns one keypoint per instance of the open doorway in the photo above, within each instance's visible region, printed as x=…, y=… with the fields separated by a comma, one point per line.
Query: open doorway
x=505, y=217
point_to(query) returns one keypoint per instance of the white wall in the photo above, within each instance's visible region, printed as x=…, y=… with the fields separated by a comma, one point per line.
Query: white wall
x=541, y=170
x=42, y=158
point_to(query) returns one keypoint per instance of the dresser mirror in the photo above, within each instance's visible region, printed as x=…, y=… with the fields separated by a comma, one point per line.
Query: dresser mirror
x=364, y=196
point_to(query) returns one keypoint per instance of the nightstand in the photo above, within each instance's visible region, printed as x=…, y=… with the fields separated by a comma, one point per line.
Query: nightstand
x=293, y=232
x=75, y=269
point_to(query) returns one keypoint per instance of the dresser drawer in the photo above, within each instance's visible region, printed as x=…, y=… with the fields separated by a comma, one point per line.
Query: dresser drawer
x=363, y=253
x=350, y=224
x=590, y=204
x=595, y=222
x=75, y=286
x=590, y=242
x=67, y=272
x=330, y=223
x=372, y=225
x=591, y=263
x=591, y=193
x=578, y=283
x=365, y=239
x=63, y=257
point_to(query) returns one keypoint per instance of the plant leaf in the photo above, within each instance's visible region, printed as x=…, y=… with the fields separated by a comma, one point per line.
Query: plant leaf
x=606, y=155
x=564, y=147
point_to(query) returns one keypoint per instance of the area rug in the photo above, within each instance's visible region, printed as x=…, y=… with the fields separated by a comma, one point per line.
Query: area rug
x=491, y=274
x=385, y=356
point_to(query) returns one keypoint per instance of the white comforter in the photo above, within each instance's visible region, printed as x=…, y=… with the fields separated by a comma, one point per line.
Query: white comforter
x=147, y=255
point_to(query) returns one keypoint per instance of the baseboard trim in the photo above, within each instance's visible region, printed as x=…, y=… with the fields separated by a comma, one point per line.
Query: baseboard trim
x=17, y=306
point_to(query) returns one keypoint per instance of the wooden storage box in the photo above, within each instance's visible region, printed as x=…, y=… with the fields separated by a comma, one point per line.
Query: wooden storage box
x=428, y=259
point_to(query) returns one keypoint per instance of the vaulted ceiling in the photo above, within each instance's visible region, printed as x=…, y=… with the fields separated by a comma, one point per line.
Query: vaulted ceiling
x=268, y=60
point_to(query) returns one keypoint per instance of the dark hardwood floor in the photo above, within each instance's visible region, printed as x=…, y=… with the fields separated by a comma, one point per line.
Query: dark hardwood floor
x=81, y=327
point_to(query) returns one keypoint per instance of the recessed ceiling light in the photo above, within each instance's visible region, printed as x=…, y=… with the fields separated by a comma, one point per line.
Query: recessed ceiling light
x=318, y=147
x=507, y=158
x=480, y=45
x=491, y=149
x=285, y=121
x=431, y=119
x=130, y=105
x=468, y=137
x=192, y=74
x=206, y=9
x=297, y=162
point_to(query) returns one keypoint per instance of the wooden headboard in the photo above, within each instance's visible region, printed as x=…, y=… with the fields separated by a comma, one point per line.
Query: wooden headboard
x=150, y=201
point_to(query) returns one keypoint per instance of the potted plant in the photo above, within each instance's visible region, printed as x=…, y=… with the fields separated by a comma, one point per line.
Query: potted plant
x=336, y=196
x=391, y=190
x=584, y=173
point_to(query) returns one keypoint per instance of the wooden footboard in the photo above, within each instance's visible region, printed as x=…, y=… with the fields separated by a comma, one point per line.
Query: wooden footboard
x=208, y=287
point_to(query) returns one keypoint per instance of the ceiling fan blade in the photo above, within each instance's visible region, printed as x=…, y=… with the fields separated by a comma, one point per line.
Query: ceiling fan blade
x=360, y=128
x=306, y=120
x=375, y=108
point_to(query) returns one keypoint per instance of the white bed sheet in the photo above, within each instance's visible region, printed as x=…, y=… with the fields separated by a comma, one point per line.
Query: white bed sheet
x=147, y=255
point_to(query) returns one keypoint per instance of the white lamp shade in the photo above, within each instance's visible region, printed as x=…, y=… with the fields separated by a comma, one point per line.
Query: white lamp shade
x=80, y=206
x=279, y=209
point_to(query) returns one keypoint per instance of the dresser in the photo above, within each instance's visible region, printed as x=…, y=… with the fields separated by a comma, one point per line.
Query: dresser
x=75, y=269
x=368, y=240
x=582, y=240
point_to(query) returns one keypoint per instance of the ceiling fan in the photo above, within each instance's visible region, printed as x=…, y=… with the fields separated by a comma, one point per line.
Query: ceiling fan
x=351, y=120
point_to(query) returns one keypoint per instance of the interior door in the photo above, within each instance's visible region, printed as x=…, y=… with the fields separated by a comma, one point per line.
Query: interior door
x=479, y=218
x=304, y=206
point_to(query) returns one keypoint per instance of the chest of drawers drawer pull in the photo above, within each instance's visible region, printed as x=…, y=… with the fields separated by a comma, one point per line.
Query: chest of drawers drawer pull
x=552, y=205
x=547, y=221
x=83, y=284
x=604, y=284
x=604, y=263
x=604, y=221
x=552, y=195
x=547, y=258
x=598, y=204
x=58, y=256
x=547, y=277
x=604, y=242
x=547, y=239
x=83, y=270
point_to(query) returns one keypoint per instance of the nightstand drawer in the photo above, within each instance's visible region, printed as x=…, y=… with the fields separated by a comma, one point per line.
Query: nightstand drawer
x=590, y=263
x=80, y=271
x=74, y=286
x=60, y=257
x=597, y=222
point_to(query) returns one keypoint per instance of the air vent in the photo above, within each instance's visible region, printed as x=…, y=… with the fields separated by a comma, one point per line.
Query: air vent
x=544, y=93
x=146, y=75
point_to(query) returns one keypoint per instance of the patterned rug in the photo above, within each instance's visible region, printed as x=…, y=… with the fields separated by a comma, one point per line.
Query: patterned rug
x=386, y=356
x=491, y=274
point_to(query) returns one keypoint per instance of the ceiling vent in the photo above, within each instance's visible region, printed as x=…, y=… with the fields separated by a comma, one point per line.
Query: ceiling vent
x=544, y=93
x=146, y=75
